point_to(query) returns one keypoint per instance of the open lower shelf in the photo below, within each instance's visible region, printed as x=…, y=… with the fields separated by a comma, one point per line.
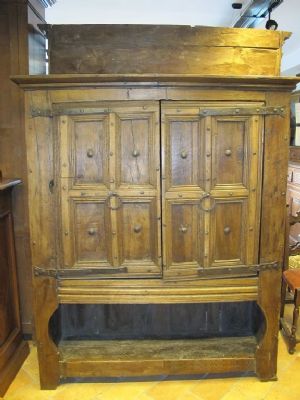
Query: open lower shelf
x=112, y=358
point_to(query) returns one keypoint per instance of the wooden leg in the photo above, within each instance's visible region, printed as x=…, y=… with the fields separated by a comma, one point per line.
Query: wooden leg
x=283, y=296
x=292, y=338
x=45, y=305
x=269, y=302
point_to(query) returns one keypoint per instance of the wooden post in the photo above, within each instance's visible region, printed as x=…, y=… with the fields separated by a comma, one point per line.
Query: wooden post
x=45, y=304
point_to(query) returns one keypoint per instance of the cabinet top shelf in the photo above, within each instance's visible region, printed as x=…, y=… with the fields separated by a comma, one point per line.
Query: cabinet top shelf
x=42, y=81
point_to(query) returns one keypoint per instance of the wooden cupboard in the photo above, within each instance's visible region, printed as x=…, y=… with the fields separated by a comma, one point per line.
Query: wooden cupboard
x=156, y=193
x=157, y=200
x=13, y=349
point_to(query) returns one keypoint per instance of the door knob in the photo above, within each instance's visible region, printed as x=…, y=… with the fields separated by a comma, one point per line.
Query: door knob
x=183, y=228
x=92, y=231
x=135, y=153
x=227, y=230
x=137, y=228
x=183, y=154
x=90, y=153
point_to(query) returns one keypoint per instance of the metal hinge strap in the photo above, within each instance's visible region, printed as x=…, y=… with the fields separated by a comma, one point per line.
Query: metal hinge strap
x=77, y=273
x=39, y=112
x=242, y=111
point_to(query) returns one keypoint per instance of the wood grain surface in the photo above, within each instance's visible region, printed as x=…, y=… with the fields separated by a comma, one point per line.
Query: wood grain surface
x=163, y=49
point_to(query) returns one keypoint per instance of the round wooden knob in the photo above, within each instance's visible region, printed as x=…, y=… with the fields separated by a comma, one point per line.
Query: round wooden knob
x=137, y=228
x=183, y=229
x=90, y=153
x=92, y=231
x=228, y=152
x=227, y=230
x=183, y=154
x=135, y=153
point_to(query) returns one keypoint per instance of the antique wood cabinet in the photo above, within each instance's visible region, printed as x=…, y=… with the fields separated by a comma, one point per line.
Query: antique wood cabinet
x=156, y=192
x=13, y=349
x=160, y=190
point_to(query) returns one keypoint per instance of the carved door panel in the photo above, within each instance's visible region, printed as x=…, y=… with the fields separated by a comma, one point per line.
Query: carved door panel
x=183, y=184
x=235, y=189
x=138, y=234
x=88, y=233
x=84, y=149
x=184, y=234
x=110, y=189
x=211, y=188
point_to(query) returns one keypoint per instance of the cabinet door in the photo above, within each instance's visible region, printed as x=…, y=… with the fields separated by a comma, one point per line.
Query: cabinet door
x=183, y=183
x=211, y=188
x=235, y=189
x=110, y=189
x=137, y=185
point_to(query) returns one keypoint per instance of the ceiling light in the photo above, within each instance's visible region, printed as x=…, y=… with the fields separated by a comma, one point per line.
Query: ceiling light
x=237, y=6
x=271, y=25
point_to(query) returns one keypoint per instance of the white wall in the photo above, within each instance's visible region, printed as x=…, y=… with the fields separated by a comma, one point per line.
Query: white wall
x=173, y=12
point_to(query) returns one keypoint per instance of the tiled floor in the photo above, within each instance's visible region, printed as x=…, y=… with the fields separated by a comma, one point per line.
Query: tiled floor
x=26, y=385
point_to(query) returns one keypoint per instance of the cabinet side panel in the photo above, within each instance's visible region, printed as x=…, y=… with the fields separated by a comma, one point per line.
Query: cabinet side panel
x=274, y=180
x=272, y=230
x=41, y=191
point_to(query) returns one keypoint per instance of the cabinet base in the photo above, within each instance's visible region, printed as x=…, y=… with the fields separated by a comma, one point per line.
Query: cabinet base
x=115, y=358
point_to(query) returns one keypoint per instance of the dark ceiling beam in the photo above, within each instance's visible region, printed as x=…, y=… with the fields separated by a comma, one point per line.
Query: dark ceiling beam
x=253, y=14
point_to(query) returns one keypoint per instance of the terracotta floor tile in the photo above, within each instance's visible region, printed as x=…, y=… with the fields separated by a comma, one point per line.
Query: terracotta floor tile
x=29, y=392
x=214, y=389
x=127, y=390
x=143, y=396
x=21, y=380
x=235, y=394
x=190, y=396
x=290, y=378
x=252, y=388
x=171, y=390
x=281, y=394
x=79, y=391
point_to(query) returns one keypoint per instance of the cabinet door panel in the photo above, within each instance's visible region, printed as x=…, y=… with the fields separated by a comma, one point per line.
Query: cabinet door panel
x=230, y=151
x=138, y=224
x=84, y=152
x=228, y=239
x=184, y=147
x=184, y=138
x=183, y=240
x=89, y=240
x=91, y=232
x=135, y=149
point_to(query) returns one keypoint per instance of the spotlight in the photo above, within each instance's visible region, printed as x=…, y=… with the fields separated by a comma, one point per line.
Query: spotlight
x=271, y=25
x=237, y=6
